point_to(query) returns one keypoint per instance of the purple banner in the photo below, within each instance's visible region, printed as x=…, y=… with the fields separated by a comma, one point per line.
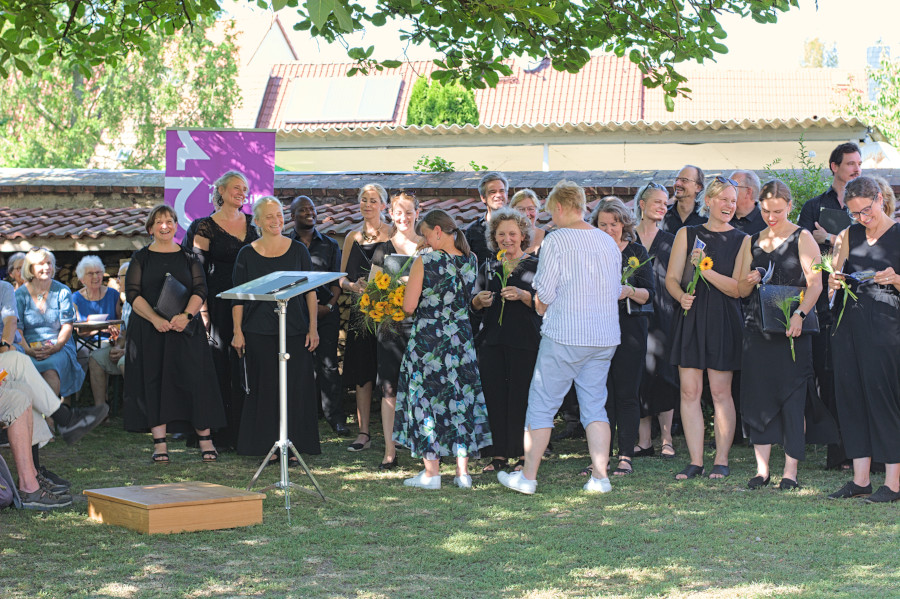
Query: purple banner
x=196, y=158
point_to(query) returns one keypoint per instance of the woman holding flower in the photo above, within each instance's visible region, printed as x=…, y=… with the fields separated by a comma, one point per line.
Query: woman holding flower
x=507, y=345
x=707, y=332
x=627, y=367
x=867, y=364
x=360, y=362
x=776, y=388
x=404, y=211
x=440, y=407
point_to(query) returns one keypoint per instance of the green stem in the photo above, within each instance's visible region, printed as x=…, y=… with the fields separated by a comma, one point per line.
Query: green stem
x=502, y=307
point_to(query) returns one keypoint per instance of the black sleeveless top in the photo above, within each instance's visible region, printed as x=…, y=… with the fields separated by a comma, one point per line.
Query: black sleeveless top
x=786, y=270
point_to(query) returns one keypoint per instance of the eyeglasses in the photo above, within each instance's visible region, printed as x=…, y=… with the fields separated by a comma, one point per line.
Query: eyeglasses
x=726, y=181
x=40, y=249
x=867, y=212
x=684, y=180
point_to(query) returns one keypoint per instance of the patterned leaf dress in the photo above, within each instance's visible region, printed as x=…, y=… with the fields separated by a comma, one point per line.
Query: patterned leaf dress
x=440, y=406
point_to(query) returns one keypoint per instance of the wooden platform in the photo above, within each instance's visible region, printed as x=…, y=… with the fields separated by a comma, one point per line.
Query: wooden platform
x=175, y=507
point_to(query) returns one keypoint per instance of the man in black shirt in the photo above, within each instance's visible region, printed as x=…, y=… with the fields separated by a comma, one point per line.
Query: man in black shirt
x=326, y=257
x=845, y=163
x=493, y=189
x=747, y=217
x=688, y=185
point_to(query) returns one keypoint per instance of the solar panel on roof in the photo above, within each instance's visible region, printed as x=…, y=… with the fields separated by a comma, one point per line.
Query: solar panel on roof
x=342, y=99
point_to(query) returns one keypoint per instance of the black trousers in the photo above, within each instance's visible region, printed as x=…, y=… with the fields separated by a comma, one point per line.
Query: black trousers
x=623, y=384
x=824, y=369
x=505, y=379
x=328, y=377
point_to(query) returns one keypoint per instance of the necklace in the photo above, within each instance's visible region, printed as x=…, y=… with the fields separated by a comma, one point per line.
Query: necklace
x=370, y=238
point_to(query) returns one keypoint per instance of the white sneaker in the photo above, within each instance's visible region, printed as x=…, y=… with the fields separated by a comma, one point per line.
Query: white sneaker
x=517, y=482
x=463, y=482
x=598, y=485
x=424, y=481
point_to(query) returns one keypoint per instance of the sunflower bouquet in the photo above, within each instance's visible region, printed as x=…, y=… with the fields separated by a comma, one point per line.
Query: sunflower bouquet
x=827, y=265
x=379, y=307
x=507, y=266
x=705, y=264
x=786, y=305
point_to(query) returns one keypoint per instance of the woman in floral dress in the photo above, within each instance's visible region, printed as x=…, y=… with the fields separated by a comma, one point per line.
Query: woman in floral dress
x=440, y=406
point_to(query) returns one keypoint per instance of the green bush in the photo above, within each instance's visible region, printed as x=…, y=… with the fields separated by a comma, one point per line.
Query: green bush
x=441, y=104
x=805, y=182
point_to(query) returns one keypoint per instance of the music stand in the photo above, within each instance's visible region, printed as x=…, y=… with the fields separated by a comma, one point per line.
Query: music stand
x=280, y=287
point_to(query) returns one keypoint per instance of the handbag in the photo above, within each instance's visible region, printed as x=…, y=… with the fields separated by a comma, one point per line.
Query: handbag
x=636, y=309
x=771, y=315
x=173, y=298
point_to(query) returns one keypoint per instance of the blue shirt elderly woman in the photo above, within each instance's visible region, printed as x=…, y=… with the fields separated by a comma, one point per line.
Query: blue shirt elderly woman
x=46, y=313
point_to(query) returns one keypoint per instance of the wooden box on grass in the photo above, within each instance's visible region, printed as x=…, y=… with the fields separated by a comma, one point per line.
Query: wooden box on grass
x=175, y=507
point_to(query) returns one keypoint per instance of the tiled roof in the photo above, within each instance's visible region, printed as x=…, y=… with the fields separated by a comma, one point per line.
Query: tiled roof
x=607, y=90
x=336, y=195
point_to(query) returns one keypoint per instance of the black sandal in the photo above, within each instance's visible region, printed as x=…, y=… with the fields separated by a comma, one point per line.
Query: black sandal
x=624, y=471
x=723, y=472
x=587, y=470
x=210, y=455
x=361, y=446
x=691, y=471
x=667, y=456
x=496, y=465
x=644, y=452
x=160, y=458
x=758, y=482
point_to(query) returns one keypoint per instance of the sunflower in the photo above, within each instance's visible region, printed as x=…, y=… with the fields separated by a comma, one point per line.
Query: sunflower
x=379, y=316
x=801, y=296
x=381, y=306
x=398, y=316
x=633, y=262
x=365, y=300
x=817, y=268
x=706, y=263
x=383, y=281
x=500, y=254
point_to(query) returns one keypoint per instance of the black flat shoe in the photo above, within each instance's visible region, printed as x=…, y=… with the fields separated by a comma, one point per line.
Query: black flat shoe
x=691, y=471
x=788, y=484
x=883, y=495
x=644, y=452
x=758, y=482
x=392, y=465
x=341, y=429
x=361, y=446
x=851, y=489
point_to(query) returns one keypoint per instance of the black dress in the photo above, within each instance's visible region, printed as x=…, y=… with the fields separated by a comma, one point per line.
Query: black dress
x=171, y=379
x=390, y=346
x=778, y=395
x=709, y=336
x=360, y=361
x=627, y=367
x=260, y=416
x=866, y=360
x=506, y=355
x=218, y=264
x=659, y=385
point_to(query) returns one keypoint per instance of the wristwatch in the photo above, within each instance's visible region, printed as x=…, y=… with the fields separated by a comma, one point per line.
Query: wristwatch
x=5, y=344
x=189, y=316
x=330, y=307
x=800, y=313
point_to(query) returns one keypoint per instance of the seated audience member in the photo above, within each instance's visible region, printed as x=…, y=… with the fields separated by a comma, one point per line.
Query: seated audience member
x=93, y=299
x=73, y=423
x=16, y=414
x=45, y=315
x=14, y=269
x=110, y=360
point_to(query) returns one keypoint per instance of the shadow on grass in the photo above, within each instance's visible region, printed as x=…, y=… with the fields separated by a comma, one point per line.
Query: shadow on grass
x=652, y=536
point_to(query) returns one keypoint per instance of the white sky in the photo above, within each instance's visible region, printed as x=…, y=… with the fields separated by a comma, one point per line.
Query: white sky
x=852, y=24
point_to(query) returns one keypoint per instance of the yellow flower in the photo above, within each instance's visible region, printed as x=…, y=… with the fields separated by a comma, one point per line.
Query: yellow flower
x=801, y=296
x=364, y=300
x=383, y=281
x=633, y=262
x=397, y=299
x=398, y=316
x=817, y=268
x=379, y=316
x=500, y=254
x=389, y=309
x=381, y=306
x=373, y=313
x=706, y=263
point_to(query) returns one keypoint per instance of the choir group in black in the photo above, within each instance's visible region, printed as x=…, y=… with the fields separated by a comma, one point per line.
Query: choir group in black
x=837, y=383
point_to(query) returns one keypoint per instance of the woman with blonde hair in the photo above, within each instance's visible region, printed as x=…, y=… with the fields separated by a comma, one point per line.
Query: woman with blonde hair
x=707, y=334
x=360, y=355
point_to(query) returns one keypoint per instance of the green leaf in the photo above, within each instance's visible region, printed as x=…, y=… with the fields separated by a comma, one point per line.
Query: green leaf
x=392, y=64
x=319, y=11
x=278, y=5
x=343, y=17
x=670, y=103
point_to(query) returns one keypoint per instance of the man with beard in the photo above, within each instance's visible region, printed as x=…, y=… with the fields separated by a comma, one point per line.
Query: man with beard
x=688, y=184
x=326, y=257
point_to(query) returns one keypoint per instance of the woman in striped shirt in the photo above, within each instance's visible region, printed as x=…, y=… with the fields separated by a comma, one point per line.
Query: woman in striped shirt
x=578, y=288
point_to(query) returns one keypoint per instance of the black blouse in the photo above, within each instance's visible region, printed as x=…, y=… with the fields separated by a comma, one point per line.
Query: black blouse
x=260, y=317
x=521, y=326
x=643, y=278
x=147, y=273
x=223, y=250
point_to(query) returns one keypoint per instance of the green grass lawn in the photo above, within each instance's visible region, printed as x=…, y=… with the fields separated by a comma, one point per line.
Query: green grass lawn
x=650, y=537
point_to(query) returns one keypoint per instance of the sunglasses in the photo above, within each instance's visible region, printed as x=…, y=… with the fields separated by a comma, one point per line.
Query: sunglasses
x=726, y=181
x=652, y=185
